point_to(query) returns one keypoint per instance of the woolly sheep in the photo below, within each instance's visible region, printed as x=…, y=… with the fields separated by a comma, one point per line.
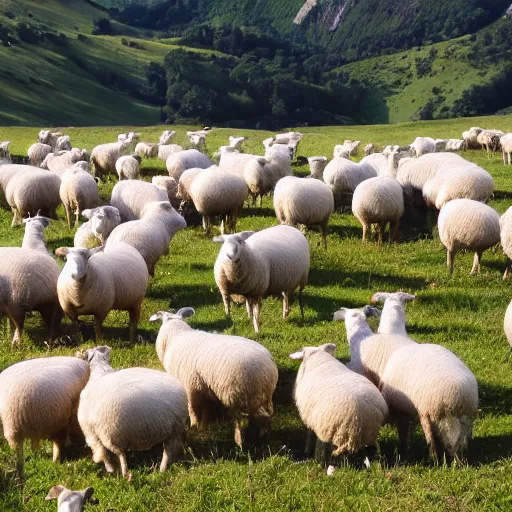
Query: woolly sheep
x=234, y=162
x=166, y=137
x=440, y=145
x=69, y=501
x=423, y=145
x=168, y=149
x=237, y=372
x=131, y=196
x=236, y=142
x=8, y=171
x=94, y=283
x=170, y=185
x=78, y=191
x=58, y=163
x=130, y=138
x=317, y=165
x=470, y=138
x=5, y=157
x=340, y=151
x=105, y=156
x=506, y=239
x=131, y=409
x=490, y=139
x=101, y=221
x=177, y=163
x=37, y=153
x=340, y=406
x=38, y=399
x=259, y=177
x=274, y=261
x=305, y=202
x=49, y=137
x=392, y=318
x=384, y=165
x=267, y=143
x=378, y=201
x=34, y=233
x=369, y=149
x=218, y=193
x=468, y=224
x=507, y=324
x=151, y=234
x=63, y=143
x=146, y=149
x=185, y=183
x=342, y=176
x=286, y=138
x=454, y=145
x=198, y=141
x=128, y=167
x=506, y=148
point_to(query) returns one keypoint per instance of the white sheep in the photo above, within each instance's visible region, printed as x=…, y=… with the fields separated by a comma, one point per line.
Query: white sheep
x=185, y=182
x=506, y=239
x=259, y=177
x=128, y=167
x=37, y=153
x=317, y=165
x=101, y=221
x=177, y=163
x=274, y=261
x=34, y=233
x=236, y=142
x=234, y=162
x=59, y=162
x=131, y=196
x=151, y=234
x=507, y=324
x=384, y=165
x=131, y=409
x=392, y=317
x=78, y=191
x=69, y=501
x=166, y=137
x=369, y=149
x=490, y=139
x=38, y=399
x=49, y=137
x=237, y=372
x=440, y=145
x=218, y=193
x=303, y=201
x=423, y=145
x=506, y=148
x=94, y=283
x=341, y=151
x=470, y=225
x=198, y=141
x=168, y=149
x=146, y=149
x=470, y=138
x=170, y=185
x=267, y=143
x=105, y=156
x=378, y=201
x=454, y=145
x=223, y=149
x=63, y=143
x=5, y=157
x=341, y=407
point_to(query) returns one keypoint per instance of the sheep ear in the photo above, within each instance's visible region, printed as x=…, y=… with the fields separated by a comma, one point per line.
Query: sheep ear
x=244, y=235
x=45, y=221
x=185, y=312
x=87, y=493
x=104, y=349
x=406, y=297
x=379, y=297
x=371, y=311
x=219, y=239
x=88, y=213
x=55, y=492
x=339, y=315
x=329, y=347
x=61, y=252
x=157, y=317
x=297, y=355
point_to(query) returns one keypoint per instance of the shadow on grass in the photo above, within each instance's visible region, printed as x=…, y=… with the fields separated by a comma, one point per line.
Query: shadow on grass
x=186, y=295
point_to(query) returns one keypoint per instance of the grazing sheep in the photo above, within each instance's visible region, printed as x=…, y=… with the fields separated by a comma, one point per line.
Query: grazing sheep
x=470, y=138
x=369, y=149
x=378, y=201
x=146, y=149
x=341, y=151
x=170, y=185
x=38, y=399
x=131, y=196
x=167, y=150
x=506, y=148
x=392, y=318
x=259, y=178
x=131, y=409
x=166, y=137
x=223, y=149
x=128, y=167
x=440, y=145
x=237, y=372
x=454, y=145
x=218, y=193
x=101, y=222
x=490, y=139
x=423, y=145
x=506, y=239
x=63, y=143
x=234, y=162
x=49, y=137
x=274, y=261
x=94, y=283
x=199, y=142
x=303, y=201
x=34, y=233
x=58, y=163
x=78, y=191
x=470, y=225
x=406, y=151
x=105, y=156
x=29, y=192
x=384, y=165
x=317, y=165
x=69, y=501
x=177, y=163
x=151, y=234
x=341, y=407
x=37, y=153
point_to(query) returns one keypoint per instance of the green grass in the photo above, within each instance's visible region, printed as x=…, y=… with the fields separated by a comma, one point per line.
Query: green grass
x=463, y=313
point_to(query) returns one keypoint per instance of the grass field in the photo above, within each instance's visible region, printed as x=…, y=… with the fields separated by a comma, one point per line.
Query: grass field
x=464, y=313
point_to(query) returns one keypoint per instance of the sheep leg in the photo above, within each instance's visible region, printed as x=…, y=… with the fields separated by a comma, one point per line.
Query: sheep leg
x=256, y=310
x=134, y=322
x=58, y=441
x=323, y=452
x=124, y=467
x=248, y=307
x=20, y=460
x=311, y=441
x=68, y=214
x=433, y=441
x=97, y=328
x=393, y=231
x=450, y=260
x=286, y=305
x=239, y=433
x=380, y=232
x=476, y=263
x=16, y=217
x=77, y=215
x=404, y=434
x=195, y=407
x=171, y=452
x=17, y=319
x=226, y=298
x=301, y=302
x=504, y=158
x=261, y=200
x=51, y=318
x=365, y=231
x=506, y=275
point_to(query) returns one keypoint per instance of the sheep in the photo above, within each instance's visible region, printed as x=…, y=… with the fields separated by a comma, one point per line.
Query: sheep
x=105, y=156
x=440, y=145
x=369, y=149
x=378, y=201
x=286, y=138
x=5, y=157
x=168, y=149
x=101, y=221
x=199, y=142
x=279, y=163
x=341, y=407
x=274, y=261
x=490, y=139
x=166, y=137
x=37, y=153
x=63, y=143
x=38, y=400
x=131, y=196
x=468, y=224
x=237, y=372
x=58, y=163
x=259, y=177
x=470, y=138
x=130, y=138
x=423, y=145
x=223, y=149
x=29, y=192
x=34, y=233
x=69, y=501
x=392, y=319
x=94, y=283
x=78, y=191
x=234, y=162
x=49, y=137
x=236, y=142
x=131, y=409
x=384, y=165
x=177, y=163
x=170, y=185
x=506, y=239
x=9, y=171
x=506, y=148
x=507, y=325
x=186, y=180
x=454, y=145
x=352, y=146
x=128, y=167
x=267, y=143
x=342, y=176
x=218, y=193
x=305, y=202
x=146, y=149
x=317, y=165
x=340, y=151
x=152, y=234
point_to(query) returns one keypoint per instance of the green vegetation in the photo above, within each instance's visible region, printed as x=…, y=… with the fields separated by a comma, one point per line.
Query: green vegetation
x=464, y=313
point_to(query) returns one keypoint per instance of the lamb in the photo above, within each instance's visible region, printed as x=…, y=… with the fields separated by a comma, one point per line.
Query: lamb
x=392, y=319
x=69, y=501
x=168, y=149
x=506, y=239
x=37, y=153
x=341, y=407
x=130, y=138
x=38, y=399
x=236, y=142
x=146, y=149
x=259, y=177
x=490, y=139
x=132, y=409
x=101, y=221
x=58, y=163
x=105, y=156
x=152, y=234
x=223, y=149
x=94, y=283
x=454, y=145
x=170, y=185
x=470, y=138
x=378, y=201
x=468, y=224
x=128, y=167
x=423, y=145
x=369, y=149
x=5, y=157
x=29, y=192
x=166, y=137
x=317, y=165
x=131, y=196
x=177, y=163
x=274, y=261
x=237, y=372
x=218, y=193
x=506, y=148
x=34, y=233
x=78, y=191
x=305, y=202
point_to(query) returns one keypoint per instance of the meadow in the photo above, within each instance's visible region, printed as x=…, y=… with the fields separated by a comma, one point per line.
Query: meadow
x=463, y=313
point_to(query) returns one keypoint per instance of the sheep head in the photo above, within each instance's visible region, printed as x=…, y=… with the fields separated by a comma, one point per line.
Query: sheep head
x=233, y=245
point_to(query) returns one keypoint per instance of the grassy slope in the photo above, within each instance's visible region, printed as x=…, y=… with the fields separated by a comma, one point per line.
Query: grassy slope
x=463, y=313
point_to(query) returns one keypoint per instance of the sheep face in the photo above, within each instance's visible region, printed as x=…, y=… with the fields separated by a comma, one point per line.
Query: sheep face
x=4, y=149
x=103, y=220
x=233, y=245
x=167, y=316
x=98, y=354
x=77, y=261
x=69, y=501
x=39, y=222
x=353, y=314
x=44, y=137
x=307, y=351
x=399, y=296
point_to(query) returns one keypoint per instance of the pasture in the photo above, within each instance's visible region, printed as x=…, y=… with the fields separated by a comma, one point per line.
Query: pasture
x=463, y=313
